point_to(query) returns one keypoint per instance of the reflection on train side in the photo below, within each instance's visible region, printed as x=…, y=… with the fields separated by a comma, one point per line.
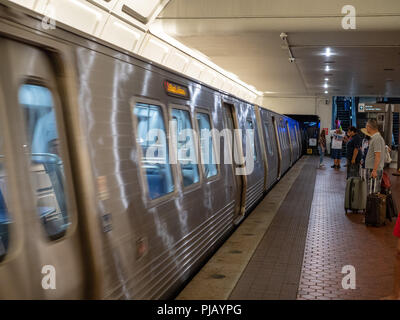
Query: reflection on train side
x=4, y=215
x=47, y=174
x=155, y=158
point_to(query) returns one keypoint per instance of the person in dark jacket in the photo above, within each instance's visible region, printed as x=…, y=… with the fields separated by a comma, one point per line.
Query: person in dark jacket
x=353, y=153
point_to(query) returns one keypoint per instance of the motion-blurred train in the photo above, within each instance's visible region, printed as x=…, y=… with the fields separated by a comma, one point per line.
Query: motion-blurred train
x=84, y=212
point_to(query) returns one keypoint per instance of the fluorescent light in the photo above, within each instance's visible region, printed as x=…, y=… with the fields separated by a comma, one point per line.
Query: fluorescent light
x=326, y=79
x=325, y=85
x=327, y=68
x=157, y=30
x=326, y=92
x=328, y=52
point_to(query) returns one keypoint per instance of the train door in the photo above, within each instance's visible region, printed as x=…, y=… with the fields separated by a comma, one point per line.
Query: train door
x=45, y=257
x=290, y=142
x=270, y=147
x=233, y=147
x=278, y=146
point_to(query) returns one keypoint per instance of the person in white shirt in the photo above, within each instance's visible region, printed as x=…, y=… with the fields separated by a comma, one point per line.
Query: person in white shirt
x=337, y=142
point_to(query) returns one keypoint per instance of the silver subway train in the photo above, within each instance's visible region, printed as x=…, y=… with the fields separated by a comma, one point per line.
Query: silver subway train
x=85, y=212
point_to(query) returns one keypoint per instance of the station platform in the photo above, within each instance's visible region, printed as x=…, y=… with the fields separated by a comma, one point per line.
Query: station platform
x=296, y=242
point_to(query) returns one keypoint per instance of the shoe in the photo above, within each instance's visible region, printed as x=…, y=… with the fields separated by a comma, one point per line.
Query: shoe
x=333, y=167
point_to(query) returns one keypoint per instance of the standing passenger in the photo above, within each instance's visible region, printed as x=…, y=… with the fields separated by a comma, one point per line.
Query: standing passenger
x=353, y=153
x=321, y=147
x=338, y=136
x=364, y=146
x=375, y=159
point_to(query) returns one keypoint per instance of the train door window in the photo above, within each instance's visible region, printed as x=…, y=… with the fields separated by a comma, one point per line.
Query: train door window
x=250, y=126
x=281, y=136
x=47, y=170
x=151, y=136
x=270, y=151
x=5, y=220
x=206, y=145
x=284, y=138
x=186, y=147
x=287, y=134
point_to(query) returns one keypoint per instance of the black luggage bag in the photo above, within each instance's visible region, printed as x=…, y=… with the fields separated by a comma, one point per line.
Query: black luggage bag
x=375, y=213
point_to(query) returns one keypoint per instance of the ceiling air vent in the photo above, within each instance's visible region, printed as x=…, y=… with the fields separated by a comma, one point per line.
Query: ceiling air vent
x=388, y=69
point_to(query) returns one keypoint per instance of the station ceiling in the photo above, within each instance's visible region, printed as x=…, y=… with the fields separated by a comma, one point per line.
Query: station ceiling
x=243, y=37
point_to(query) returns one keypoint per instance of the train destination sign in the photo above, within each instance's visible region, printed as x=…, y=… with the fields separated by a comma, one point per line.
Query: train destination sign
x=176, y=90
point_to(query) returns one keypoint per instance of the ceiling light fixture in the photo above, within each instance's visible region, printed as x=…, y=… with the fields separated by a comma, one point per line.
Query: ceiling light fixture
x=326, y=92
x=325, y=85
x=326, y=79
x=327, y=68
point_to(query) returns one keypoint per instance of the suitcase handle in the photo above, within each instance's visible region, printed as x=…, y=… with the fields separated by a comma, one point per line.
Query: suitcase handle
x=373, y=182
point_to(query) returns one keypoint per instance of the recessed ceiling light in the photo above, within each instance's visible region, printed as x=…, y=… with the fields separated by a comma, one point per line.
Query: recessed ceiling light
x=327, y=68
x=325, y=85
x=326, y=92
x=328, y=52
x=326, y=79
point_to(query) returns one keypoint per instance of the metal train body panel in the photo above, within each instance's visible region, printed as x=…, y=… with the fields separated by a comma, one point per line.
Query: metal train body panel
x=121, y=243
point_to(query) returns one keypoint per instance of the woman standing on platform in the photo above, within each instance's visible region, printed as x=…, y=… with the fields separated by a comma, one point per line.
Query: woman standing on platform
x=321, y=147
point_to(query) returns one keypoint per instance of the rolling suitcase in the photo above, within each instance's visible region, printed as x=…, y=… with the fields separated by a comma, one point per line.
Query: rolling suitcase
x=375, y=213
x=356, y=194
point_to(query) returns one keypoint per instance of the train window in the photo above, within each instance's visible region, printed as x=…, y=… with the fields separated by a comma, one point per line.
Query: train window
x=268, y=141
x=151, y=137
x=5, y=220
x=47, y=170
x=287, y=134
x=280, y=136
x=186, y=147
x=283, y=135
x=250, y=126
x=206, y=145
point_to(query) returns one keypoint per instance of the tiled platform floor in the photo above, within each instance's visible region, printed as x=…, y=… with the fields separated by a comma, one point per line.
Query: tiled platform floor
x=274, y=270
x=335, y=240
x=302, y=240
x=218, y=278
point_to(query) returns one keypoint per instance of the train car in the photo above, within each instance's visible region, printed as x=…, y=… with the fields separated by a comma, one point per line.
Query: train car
x=84, y=195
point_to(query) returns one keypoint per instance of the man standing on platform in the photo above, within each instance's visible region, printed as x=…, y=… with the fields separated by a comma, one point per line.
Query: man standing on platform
x=375, y=160
x=353, y=153
x=336, y=150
